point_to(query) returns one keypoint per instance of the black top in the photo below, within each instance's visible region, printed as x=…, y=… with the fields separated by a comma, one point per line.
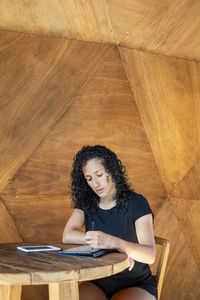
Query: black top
x=122, y=225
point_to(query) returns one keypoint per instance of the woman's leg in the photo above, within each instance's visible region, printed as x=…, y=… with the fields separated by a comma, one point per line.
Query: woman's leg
x=89, y=291
x=133, y=293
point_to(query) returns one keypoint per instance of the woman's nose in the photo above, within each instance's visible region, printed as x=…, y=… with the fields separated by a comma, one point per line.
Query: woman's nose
x=95, y=183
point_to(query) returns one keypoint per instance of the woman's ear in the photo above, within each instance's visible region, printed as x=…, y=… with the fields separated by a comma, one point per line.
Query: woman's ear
x=108, y=178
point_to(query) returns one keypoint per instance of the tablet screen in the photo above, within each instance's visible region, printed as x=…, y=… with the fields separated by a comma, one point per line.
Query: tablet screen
x=38, y=248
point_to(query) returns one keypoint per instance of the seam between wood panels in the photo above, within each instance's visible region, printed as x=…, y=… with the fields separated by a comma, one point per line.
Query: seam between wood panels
x=197, y=60
x=140, y=21
x=179, y=182
x=8, y=212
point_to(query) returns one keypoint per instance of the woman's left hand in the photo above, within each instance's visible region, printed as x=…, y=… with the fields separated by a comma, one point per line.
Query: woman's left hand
x=99, y=239
x=131, y=263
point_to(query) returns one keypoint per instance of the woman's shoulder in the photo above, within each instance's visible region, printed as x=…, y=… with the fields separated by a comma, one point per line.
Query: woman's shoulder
x=139, y=205
x=134, y=197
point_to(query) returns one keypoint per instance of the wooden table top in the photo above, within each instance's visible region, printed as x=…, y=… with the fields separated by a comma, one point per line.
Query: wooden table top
x=17, y=267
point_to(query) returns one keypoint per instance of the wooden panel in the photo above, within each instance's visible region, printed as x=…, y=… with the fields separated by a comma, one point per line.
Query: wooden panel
x=8, y=232
x=46, y=175
x=39, y=218
x=126, y=14
x=171, y=28
x=189, y=187
x=40, y=77
x=75, y=19
x=188, y=214
x=182, y=279
x=13, y=17
x=167, y=92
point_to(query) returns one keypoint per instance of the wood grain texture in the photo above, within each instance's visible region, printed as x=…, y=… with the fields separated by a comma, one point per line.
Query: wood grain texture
x=182, y=279
x=188, y=212
x=10, y=292
x=49, y=267
x=61, y=291
x=98, y=21
x=165, y=26
x=189, y=186
x=39, y=218
x=39, y=292
x=40, y=75
x=13, y=17
x=167, y=92
x=171, y=28
x=126, y=14
x=104, y=112
x=8, y=232
x=108, y=115
x=75, y=19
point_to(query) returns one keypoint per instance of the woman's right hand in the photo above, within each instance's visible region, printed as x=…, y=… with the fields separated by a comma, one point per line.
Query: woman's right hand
x=99, y=239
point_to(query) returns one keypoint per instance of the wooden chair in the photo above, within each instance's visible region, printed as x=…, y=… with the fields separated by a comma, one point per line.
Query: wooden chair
x=162, y=262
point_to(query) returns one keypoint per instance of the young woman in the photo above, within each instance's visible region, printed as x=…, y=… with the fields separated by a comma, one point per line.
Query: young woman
x=123, y=221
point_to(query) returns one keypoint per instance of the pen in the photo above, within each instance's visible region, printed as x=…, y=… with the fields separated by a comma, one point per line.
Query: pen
x=92, y=230
x=92, y=225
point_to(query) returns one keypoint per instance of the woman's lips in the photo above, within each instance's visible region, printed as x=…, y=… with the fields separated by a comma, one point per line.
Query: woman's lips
x=100, y=191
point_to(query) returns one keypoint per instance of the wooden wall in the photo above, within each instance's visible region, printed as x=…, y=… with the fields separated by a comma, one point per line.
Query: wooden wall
x=159, y=26
x=57, y=95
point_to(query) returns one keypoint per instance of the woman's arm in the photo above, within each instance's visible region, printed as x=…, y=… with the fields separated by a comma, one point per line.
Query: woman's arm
x=72, y=233
x=144, y=252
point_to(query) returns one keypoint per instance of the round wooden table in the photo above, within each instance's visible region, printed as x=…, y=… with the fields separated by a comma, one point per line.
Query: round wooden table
x=60, y=272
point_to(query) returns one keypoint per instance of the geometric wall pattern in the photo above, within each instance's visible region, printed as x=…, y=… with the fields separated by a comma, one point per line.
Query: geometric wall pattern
x=112, y=77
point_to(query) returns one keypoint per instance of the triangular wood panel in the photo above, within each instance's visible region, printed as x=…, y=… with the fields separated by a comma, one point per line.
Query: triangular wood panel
x=166, y=91
x=182, y=279
x=189, y=187
x=8, y=232
x=40, y=75
x=188, y=214
x=171, y=27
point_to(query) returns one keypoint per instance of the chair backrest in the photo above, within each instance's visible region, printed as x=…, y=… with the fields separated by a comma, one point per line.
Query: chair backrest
x=162, y=263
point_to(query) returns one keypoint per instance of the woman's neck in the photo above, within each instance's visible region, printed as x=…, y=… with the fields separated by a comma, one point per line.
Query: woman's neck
x=107, y=204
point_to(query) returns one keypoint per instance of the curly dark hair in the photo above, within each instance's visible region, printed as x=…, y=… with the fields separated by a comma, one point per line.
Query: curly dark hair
x=83, y=196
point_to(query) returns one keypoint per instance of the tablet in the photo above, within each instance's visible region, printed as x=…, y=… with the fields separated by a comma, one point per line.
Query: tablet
x=38, y=248
x=86, y=251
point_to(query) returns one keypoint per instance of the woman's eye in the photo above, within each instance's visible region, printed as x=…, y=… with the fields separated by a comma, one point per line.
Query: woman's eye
x=88, y=179
x=99, y=175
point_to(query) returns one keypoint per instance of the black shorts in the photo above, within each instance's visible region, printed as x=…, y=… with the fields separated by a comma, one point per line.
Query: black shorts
x=113, y=284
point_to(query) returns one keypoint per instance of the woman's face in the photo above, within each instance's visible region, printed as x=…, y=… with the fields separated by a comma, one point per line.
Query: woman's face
x=98, y=179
